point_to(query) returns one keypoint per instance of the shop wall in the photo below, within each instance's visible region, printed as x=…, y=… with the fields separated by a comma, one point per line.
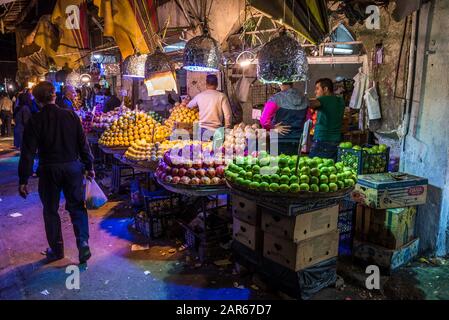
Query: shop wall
x=427, y=145
x=390, y=35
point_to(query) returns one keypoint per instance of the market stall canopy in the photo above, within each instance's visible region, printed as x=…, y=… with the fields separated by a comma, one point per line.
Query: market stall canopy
x=131, y=23
x=307, y=17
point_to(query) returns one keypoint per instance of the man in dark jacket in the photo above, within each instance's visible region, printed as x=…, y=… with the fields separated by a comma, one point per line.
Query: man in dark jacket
x=64, y=159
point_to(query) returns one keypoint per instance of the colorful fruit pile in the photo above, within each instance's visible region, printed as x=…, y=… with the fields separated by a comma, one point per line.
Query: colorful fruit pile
x=141, y=150
x=241, y=136
x=182, y=114
x=105, y=120
x=373, y=159
x=278, y=174
x=156, y=116
x=197, y=169
x=131, y=127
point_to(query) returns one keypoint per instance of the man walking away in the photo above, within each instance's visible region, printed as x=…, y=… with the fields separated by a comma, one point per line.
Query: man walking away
x=64, y=158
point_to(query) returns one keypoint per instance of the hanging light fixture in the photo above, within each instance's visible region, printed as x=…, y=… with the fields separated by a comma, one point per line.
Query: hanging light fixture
x=282, y=60
x=134, y=66
x=159, y=73
x=73, y=79
x=202, y=54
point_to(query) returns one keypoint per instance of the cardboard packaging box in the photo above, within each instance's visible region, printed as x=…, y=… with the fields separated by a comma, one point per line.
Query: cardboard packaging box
x=390, y=228
x=247, y=234
x=303, y=254
x=390, y=190
x=245, y=210
x=301, y=227
x=385, y=258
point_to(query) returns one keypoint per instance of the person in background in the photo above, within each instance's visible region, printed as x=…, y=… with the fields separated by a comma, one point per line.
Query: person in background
x=67, y=100
x=111, y=102
x=329, y=121
x=286, y=112
x=96, y=91
x=22, y=114
x=64, y=159
x=6, y=114
x=215, y=111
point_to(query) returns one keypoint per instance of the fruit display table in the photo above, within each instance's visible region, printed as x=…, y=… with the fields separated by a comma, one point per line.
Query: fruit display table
x=212, y=232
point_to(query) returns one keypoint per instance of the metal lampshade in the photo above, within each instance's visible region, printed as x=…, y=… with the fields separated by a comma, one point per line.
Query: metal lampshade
x=73, y=79
x=202, y=54
x=282, y=60
x=134, y=66
x=159, y=74
x=157, y=62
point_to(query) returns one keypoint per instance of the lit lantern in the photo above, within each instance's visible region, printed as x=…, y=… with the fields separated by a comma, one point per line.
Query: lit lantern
x=134, y=66
x=159, y=74
x=73, y=79
x=202, y=53
x=282, y=60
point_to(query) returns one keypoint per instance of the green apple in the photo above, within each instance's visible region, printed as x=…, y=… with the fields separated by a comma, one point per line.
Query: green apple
x=304, y=179
x=324, y=179
x=314, y=188
x=324, y=187
x=274, y=187
x=284, y=188
x=304, y=187
x=294, y=187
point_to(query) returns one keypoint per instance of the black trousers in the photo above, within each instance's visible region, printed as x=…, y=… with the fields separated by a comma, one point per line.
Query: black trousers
x=6, y=123
x=68, y=178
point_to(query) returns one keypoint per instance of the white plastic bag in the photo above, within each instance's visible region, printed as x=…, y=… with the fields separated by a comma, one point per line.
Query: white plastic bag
x=95, y=197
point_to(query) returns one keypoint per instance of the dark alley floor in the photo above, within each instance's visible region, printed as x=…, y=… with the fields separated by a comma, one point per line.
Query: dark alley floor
x=116, y=270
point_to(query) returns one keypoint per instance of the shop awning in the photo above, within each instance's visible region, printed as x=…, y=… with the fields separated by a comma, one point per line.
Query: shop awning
x=308, y=17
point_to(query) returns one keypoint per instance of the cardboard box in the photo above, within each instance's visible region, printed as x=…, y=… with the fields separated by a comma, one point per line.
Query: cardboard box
x=245, y=210
x=385, y=258
x=390, y=190
x=246, y=234
x=390, y=228
x=302, y=255
x=301, y=227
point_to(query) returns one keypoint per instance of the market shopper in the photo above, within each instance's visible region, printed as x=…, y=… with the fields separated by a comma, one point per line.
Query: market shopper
x=64, y=159
x=286, y=112
x=111, y=101
x=214, y=109
x=22, y=114
x=67, y=100
x=329, y=121
x=6, y=114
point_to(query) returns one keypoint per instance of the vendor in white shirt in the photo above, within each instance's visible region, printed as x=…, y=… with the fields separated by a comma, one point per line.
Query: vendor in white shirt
x=215, y=111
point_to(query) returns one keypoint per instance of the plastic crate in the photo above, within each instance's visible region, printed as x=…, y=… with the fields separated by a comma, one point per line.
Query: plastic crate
x=346, y=218
x=149, y=226
x=364, y=162
x=162, y=204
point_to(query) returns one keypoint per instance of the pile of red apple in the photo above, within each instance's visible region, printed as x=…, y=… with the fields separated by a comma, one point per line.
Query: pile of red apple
x=199, y=172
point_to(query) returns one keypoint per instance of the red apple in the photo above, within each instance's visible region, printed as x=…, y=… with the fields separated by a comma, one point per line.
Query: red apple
x=167, y=169
x=176, y=180
x=205, y=180
x=191, y=173
x=215, y=180
x=211, y=172
x=195, y=181
x=200, y=173
x=197, y=164
x=182, y=172
x=185, y=180
x=220, y=171
x=168, y=179
x=174, y=171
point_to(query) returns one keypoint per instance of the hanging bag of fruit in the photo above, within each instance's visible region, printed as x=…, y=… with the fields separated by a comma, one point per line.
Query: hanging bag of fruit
x=95, y=197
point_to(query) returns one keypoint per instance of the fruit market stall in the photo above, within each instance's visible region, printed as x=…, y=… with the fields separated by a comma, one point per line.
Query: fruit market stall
x=285, y=216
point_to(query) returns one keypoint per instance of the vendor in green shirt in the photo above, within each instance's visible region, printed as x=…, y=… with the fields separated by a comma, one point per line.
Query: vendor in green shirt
x=329, y=121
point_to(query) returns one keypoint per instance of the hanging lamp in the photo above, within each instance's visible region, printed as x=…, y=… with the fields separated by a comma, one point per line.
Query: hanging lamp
x=73, y=79
x=282, y=60
x=202, y=54
x=159, y=73
x=134, y=66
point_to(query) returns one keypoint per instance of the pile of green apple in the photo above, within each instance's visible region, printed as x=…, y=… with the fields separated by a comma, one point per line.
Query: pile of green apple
x=374, y=159
x=279, y=174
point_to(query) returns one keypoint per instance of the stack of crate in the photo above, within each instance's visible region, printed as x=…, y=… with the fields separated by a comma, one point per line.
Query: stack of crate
x=287, y=244
x=385, y=218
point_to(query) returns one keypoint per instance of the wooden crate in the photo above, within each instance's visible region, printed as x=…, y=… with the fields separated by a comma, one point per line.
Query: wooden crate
x=303, y=254
x=301, y=227
x=247, y=234
x=245, y=210
x=390, y=228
